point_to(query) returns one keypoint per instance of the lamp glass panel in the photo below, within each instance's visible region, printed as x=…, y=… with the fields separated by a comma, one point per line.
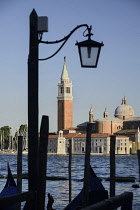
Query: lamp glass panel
x=89, y=55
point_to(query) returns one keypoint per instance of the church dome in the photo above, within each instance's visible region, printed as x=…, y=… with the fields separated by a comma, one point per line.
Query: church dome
x=124, y=111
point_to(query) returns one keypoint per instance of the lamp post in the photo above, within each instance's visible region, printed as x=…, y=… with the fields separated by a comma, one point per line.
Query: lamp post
x=89, y=48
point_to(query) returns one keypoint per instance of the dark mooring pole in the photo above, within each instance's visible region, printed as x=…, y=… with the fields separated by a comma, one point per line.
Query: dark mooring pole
x=70, y=157
x=112, y=165
x=87, y=165
x=138, y=155
x=19, y=168
x=42, y=163
x=33, y=103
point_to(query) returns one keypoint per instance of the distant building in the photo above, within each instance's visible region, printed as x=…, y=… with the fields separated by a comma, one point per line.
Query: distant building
x=108, y=125
x=52, y=144
x=124, y=125
x=124, y=122
x=124, y=111
x=104, y=125
x=100, y=144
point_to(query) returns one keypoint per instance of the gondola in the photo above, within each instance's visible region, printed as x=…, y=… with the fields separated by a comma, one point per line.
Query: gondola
x=97, y=193
x=10, y=188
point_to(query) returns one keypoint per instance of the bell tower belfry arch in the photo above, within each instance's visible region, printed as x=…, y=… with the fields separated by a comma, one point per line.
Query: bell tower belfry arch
x=65, y=100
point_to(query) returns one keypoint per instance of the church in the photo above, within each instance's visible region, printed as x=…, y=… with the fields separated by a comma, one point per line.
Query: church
x=124, y=125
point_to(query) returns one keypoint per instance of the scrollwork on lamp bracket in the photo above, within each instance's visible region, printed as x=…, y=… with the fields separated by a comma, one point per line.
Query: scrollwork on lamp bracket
x=65, y=39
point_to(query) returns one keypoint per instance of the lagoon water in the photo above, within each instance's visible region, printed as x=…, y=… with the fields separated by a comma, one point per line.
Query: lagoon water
x=57, y=165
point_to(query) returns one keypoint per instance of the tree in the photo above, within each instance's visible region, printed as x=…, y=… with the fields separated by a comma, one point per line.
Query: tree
x=6, y=132
x=23, y=128
x=23, y=131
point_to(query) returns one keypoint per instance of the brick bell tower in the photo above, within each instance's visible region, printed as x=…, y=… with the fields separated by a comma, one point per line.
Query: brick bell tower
x=65, y=100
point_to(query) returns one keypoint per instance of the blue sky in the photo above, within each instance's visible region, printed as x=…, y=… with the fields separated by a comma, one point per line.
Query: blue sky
x=116, y=23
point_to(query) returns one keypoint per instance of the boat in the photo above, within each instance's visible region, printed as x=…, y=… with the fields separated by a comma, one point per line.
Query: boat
x=10, y=188
x=97, y=193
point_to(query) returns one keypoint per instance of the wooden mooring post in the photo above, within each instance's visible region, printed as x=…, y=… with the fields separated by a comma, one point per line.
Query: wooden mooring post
x=112, y=165
x=70, y=157
x=87, y=166
x=42, y=162
x=19, y=168
x=123, y=200
x=138, y=155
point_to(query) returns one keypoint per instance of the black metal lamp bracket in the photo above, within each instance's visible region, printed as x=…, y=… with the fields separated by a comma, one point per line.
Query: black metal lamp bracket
x=64, y=40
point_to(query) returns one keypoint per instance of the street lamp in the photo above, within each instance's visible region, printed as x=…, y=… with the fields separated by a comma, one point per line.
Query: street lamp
x=89, y=51
x=38, y=25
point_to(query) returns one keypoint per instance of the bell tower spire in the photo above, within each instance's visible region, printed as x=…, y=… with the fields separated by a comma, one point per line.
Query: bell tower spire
x=91, y=115
x=65, y=75
x=65, y=100
x=105, y=114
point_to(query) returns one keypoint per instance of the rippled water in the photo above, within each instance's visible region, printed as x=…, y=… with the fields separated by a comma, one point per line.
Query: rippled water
x=58, y=166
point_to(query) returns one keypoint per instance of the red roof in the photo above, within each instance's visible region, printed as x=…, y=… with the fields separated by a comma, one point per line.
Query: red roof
x=81, y=135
